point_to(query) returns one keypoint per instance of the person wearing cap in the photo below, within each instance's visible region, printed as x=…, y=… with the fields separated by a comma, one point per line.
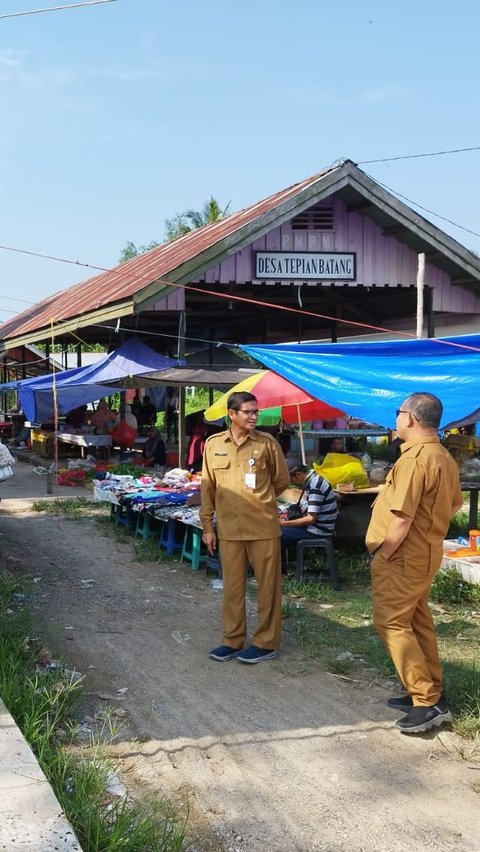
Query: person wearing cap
x=244, y=471
x=318, y=505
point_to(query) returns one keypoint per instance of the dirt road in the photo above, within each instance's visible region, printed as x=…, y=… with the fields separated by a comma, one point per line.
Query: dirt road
x=272, y=758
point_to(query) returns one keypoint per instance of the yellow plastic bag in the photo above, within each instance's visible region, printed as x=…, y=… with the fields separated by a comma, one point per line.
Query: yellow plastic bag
x=340, y=467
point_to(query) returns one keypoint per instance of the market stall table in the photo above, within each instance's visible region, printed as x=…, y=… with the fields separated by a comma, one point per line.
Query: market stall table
x=86, y=441
x=355, y=511
x=473, y=489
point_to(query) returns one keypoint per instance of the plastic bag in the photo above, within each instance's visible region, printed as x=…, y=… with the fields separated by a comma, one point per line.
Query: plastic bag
x=124, y=435
x=340, y=467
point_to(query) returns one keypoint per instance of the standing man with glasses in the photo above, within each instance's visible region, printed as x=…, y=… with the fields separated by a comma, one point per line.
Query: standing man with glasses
x=243, y=472
x=410, y=519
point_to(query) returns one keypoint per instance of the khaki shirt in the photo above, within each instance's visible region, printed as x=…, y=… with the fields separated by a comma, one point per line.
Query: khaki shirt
x=424, y=484
x=243, y=514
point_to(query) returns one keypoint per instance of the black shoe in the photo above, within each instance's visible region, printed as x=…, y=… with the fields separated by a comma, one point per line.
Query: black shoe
x=404, y=702
x=254, y=654
x=420, y=719
x=223, y=653
x=400, y=702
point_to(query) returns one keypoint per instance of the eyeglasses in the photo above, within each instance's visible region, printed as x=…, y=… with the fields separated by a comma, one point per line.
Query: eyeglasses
x=248, y=412
x=402, y=411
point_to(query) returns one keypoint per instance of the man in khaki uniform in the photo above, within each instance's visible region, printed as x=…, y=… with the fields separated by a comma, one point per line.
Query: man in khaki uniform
x=410, y=519
x=243, y=472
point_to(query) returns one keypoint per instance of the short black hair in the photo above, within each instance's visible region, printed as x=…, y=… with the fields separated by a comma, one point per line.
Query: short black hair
x=426, y=408
x=236, y=400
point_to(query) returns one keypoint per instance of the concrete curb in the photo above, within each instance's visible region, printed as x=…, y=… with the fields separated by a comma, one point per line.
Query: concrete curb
x=32, y=819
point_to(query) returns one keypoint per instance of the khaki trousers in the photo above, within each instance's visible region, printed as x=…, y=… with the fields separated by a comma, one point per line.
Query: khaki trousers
x=402, y=618
x=264, y=557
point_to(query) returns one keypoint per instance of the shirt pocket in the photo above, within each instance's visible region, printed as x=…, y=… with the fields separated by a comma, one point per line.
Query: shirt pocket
x=220, y=467
x=261, y=462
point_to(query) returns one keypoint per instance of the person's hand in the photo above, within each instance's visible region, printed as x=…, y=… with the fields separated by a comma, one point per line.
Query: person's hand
x=283, y=522
x=210, y=539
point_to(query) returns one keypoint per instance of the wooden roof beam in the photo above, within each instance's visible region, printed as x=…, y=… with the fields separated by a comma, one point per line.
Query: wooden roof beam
x=394, y=231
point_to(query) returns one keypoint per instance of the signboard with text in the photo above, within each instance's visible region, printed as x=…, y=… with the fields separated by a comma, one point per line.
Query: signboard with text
x=305, y=265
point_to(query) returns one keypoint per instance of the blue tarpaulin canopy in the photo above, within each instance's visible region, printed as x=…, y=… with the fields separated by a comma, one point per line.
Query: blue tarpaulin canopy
x=371, y=380
x=85, y=384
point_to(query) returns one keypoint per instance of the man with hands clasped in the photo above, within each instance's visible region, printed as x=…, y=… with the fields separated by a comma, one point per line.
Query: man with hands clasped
x=243, y=472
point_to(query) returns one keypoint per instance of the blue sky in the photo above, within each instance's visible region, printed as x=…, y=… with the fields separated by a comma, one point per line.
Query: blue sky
x=115, y=117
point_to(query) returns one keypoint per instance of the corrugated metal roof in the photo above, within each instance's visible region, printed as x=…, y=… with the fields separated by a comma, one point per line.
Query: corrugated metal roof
x=136, y=285
x=129, y=278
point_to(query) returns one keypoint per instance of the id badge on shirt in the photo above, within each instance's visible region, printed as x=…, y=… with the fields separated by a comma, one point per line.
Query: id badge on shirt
x=250, y=477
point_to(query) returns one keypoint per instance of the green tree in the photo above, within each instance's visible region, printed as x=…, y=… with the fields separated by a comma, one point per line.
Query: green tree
x=131, y=250
x=210, y=212
x=179, y=225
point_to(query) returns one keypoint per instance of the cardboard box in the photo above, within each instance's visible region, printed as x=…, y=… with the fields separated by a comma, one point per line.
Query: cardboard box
x=42, y=443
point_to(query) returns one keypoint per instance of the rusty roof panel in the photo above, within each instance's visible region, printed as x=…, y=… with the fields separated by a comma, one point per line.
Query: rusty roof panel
x=124, y=281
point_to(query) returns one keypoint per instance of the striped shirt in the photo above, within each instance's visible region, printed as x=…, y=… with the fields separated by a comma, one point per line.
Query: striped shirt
x=319, y=500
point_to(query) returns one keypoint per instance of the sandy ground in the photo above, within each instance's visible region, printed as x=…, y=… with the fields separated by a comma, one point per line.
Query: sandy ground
x=279, y=756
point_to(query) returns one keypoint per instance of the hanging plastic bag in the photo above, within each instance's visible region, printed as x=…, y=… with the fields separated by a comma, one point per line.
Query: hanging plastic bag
x=124, y=435
x=338, y=468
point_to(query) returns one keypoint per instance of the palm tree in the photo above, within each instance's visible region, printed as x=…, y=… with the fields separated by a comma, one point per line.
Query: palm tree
x=210, y=212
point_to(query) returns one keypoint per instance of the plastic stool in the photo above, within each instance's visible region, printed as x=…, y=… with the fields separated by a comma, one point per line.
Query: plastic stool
x=213, y=563
x=143, y=527
x=122, y=516
x=192, y=542
x=168, y=536
x=325, y=544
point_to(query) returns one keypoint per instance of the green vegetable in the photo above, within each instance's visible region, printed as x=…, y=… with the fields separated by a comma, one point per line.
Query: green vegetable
x=127, y=469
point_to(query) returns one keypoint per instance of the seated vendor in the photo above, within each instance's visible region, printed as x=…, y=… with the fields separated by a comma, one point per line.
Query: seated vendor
x=154, y=448
x=76, y=417
x=103, y=419
x=337, y=445
x=127, y=417
x=318, y=507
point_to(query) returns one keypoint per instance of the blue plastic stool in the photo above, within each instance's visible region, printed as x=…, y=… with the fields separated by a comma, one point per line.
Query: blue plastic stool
x=191, y=550
x=168, y=536
x=122, y=516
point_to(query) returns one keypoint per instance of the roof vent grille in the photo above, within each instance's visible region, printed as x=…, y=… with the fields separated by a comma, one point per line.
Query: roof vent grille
x=318, y=218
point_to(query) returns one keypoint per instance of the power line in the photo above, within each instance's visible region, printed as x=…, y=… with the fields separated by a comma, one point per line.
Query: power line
x=14, y=299
x=417, y=156
x=425, y=209
x=52, y=257
x=55, y=8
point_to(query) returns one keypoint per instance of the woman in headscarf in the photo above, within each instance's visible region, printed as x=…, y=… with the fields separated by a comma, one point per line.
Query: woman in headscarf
x=103, y=418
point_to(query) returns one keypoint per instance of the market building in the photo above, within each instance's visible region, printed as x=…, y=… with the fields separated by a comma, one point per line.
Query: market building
x=332, y=257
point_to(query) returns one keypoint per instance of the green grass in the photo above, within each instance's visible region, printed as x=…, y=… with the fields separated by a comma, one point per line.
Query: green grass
x=75, y=508
x=44, y=705
x=326, y=633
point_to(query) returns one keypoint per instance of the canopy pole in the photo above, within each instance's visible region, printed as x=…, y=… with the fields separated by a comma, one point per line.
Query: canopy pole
x=300, y=435
x=420, y=286
x=181, y=391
